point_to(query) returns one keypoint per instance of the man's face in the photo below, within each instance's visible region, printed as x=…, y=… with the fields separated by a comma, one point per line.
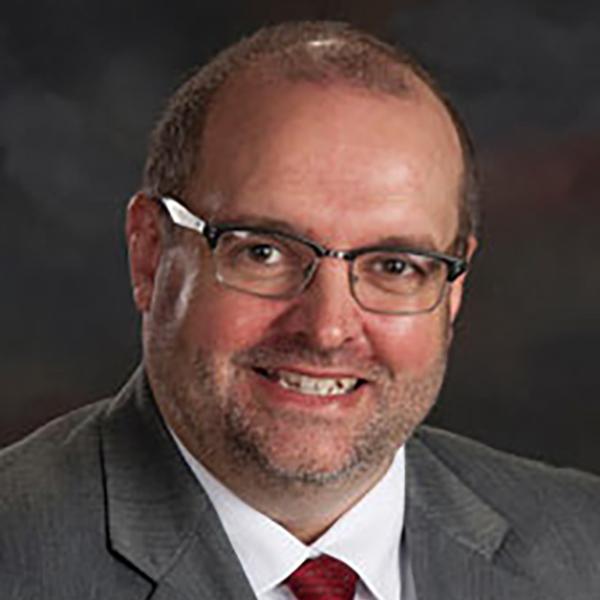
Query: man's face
x=347, y=168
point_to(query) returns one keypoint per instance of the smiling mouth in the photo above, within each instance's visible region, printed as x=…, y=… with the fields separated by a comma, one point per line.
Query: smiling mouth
x=311, y=386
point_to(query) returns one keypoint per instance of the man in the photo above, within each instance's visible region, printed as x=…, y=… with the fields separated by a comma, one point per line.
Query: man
x=298, y=253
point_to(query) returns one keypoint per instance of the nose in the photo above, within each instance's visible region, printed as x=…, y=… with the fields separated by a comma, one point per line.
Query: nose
x=326, y=314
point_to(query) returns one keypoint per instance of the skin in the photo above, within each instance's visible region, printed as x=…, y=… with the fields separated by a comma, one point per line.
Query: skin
x=346, y=167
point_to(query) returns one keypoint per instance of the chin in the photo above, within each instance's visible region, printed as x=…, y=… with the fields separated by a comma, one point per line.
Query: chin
x=308, y=454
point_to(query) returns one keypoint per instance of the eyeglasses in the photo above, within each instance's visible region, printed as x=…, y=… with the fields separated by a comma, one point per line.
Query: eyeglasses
x=272, y=264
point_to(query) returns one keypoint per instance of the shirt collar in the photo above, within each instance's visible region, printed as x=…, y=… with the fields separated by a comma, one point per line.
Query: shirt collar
x=367, y=537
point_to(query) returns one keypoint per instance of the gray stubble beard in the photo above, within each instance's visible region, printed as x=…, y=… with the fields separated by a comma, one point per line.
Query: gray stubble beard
x=206, y=412
x=373, y=446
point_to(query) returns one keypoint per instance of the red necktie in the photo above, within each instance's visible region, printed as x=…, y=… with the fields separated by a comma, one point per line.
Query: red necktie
x=323, y=578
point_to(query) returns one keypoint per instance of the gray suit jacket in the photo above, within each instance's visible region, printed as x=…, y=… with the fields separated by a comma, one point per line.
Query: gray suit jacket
x=99, y=504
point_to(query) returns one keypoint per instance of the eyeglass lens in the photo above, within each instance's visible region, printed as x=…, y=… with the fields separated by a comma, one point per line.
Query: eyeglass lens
x=278, y=266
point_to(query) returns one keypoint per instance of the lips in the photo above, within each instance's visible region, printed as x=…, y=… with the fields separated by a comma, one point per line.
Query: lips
x=311, y=385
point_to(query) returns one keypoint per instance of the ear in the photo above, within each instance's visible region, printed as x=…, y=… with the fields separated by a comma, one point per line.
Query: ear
x=144, y=242
x=457, y=287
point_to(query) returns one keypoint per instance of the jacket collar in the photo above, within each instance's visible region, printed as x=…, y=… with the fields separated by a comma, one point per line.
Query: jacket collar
x=159, y=518
x=161, y=521
x=439, y=495
x=460, y=547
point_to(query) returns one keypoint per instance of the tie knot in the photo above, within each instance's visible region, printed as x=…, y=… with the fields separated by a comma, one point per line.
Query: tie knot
x=323, y=578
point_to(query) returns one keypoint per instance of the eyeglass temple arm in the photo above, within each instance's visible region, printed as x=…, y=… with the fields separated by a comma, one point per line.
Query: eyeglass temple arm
x=457, y=268
x=181, y=216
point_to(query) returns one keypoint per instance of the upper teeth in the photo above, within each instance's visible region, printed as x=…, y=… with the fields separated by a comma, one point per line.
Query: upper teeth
x=316, y=386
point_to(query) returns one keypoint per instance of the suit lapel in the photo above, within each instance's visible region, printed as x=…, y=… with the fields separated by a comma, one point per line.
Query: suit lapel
x=459, y=547
x=162, y=524
x=159, y=518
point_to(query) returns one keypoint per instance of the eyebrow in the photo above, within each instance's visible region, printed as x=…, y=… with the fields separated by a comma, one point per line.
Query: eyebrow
x=420, y=242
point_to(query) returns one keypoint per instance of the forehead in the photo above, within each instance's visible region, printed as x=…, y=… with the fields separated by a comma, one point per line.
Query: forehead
x=337, y=162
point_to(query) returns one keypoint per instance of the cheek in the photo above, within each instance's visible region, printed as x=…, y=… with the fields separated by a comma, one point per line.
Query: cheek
x=225, y=321
x=412, y=343
x=197, y=313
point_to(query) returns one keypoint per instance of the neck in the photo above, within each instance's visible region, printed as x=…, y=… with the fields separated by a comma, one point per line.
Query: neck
x=306, y=510
x=307, y=513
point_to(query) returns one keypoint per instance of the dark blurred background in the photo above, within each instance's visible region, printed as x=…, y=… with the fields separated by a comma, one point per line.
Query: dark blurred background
x=81, y=84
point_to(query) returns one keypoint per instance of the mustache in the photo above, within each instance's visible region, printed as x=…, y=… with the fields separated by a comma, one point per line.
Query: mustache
x=286, y=351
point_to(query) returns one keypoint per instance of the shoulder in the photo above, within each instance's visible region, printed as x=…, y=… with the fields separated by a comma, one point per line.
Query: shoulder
x=539, y=500
x=52, y=469
x=51, y=507
x=45, y=459
x=483, y=465
x=517, y=513
x=61, y=457
x=54, y=511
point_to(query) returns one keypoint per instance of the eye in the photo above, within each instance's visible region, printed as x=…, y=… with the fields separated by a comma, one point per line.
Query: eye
x=392, y=266
x=396, y=272
x=263, y=253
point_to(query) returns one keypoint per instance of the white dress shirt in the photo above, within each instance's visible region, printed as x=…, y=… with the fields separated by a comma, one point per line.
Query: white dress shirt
x=366, y=538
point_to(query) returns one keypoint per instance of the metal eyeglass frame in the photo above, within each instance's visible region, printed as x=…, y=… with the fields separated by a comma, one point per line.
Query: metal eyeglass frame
x=183, y=217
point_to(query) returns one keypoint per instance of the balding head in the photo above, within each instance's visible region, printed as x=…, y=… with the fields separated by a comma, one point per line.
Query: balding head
x=296, y=339
x=320, y=52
